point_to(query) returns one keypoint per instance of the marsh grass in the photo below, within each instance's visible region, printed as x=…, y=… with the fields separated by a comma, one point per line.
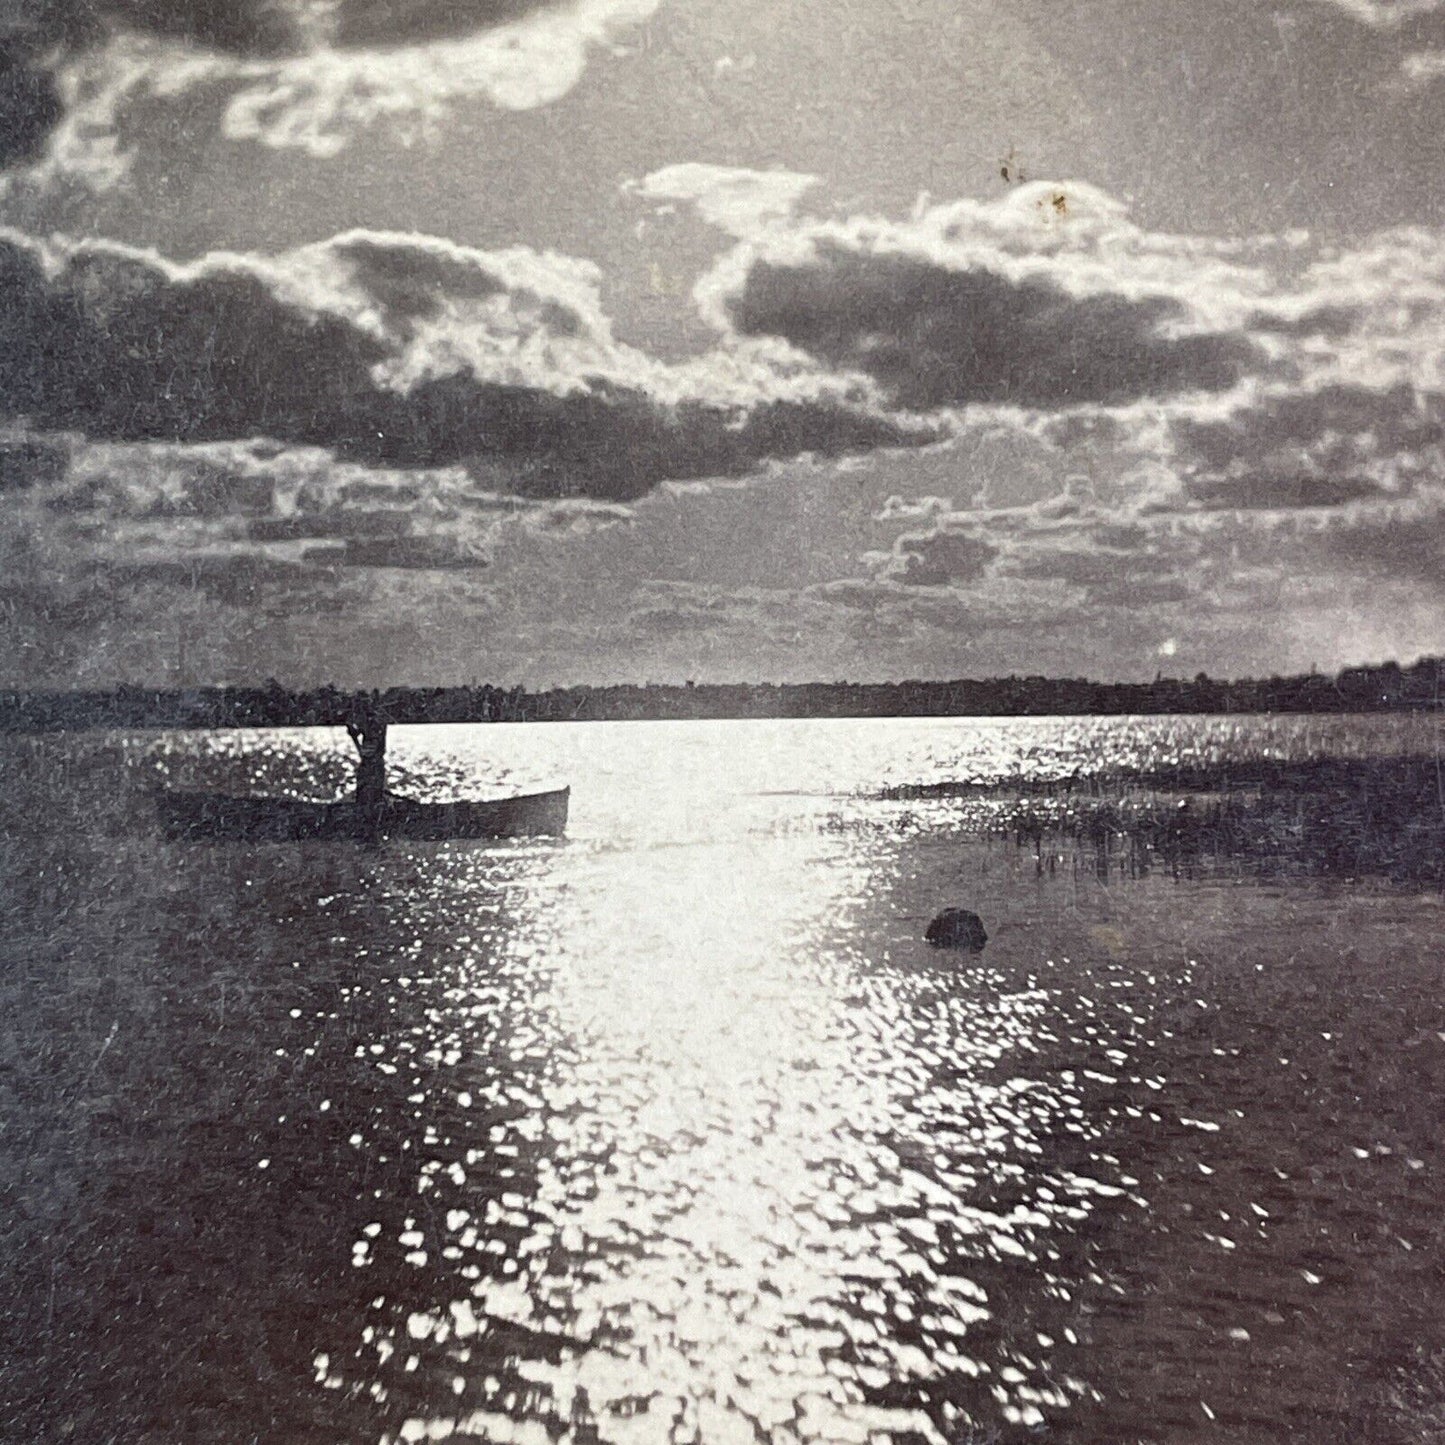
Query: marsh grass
x=1343, y=818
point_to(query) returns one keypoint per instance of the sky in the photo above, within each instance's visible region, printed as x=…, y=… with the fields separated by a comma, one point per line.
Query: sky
x=558, y=341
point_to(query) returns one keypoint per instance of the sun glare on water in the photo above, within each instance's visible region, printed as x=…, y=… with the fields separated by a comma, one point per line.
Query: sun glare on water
x=726, y=1240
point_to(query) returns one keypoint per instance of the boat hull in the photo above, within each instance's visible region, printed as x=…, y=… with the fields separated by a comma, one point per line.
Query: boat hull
x=221, y=816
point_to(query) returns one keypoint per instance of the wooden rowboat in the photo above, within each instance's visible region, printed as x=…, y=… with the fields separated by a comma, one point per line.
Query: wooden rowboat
x=221, y=816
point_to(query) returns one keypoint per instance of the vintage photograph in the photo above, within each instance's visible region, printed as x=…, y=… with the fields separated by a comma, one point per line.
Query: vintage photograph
x=721, y=722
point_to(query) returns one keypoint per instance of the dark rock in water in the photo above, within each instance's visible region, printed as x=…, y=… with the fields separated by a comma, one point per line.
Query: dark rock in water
x=957, y=928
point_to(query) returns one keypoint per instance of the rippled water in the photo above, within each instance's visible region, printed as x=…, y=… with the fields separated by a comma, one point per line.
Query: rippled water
x=675, y=1131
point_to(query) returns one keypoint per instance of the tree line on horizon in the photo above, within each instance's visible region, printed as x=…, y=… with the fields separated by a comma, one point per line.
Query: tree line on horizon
x=1387, y=687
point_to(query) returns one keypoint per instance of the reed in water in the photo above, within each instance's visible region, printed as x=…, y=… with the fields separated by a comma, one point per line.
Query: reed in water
x=1381, y=817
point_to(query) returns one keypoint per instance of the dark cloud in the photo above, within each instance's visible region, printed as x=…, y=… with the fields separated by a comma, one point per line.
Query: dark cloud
x=611, y=441
x=262, y=28
x=27, y=462
x=237, y=579
x=368, y=23
x=212, y=491
x=1400, y=416
x=945, y=557
x=1121, y=536
x=1113, y=564
x=412, y=281
x=118, y=345
x=38, y=36
x=114, y=345
x=1329, y=321
x=30, y=108
x=1262, y=491
x=677, y=621
x=935, y=334
x=1396, y=543
x=429, y=553
x=344, y=523
x=1313, y=448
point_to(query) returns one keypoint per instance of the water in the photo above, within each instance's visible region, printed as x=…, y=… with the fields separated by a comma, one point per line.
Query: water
x=676, y=1131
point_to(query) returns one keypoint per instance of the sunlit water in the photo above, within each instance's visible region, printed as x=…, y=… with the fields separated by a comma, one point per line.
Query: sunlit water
x=675, y=1131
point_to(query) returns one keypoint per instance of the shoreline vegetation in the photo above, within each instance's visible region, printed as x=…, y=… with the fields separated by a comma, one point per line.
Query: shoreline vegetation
x=1387, y=687
x=1340, y=818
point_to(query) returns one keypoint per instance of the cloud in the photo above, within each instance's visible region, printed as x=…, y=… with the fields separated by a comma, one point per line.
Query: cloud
x=1400, y=542
x=739, y=201
x=1384, y=14
x=30, y=108
x=1111, y=563
x=705, y=616
x=29, y=462
x=1070, y=553
x=255, y=28
x=518, y=56
x=48, y=50
x=237, y=579
x=436, y=551
x=1047, y=299
x=1349, y=408
x=398, y=351
x=1173, y=376
x=946, y=556
x=575, y=517
x=1317, y=447
x=1266, y=492
x=912, y=509
x=936, y=337
x=271, y=494
x=467, y=420
x=1420, y=69
x=368, y=23
x=302, y=73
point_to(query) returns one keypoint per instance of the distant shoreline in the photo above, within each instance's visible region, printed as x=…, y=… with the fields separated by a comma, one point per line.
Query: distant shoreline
x=1388, y=687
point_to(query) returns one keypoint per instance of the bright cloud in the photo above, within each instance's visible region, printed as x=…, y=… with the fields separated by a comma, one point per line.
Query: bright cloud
x=301, y=74
x=397, y=350
x=319, y=100
x=1384, y=14
x=1048, y=298
x=739, y=201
